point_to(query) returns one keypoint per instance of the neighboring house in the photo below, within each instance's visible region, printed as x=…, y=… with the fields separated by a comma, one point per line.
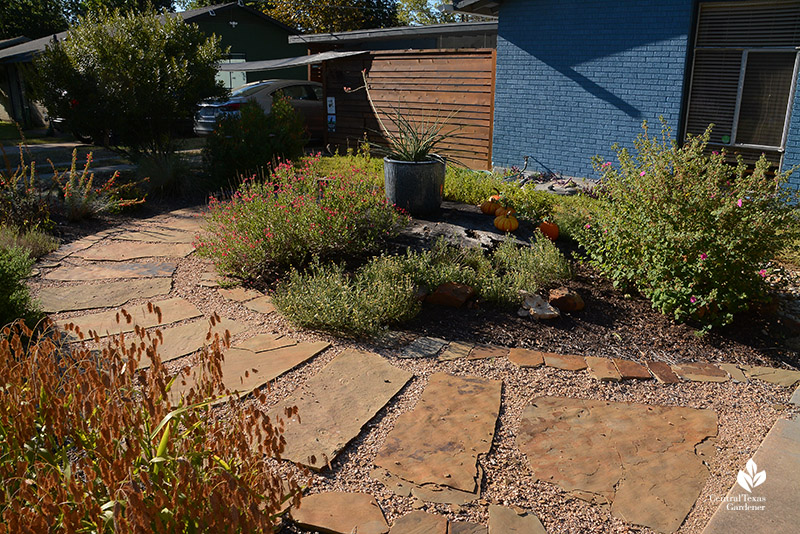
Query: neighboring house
x=575, y=76
x=251, y=36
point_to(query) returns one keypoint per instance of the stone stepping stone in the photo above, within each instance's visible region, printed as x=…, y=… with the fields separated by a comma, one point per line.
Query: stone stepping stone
x=240, y=294
x=260, y=305
x=456, y=350
x=105, y=271
x=466, y=527
x=340, y=513
x=566, y=362
x=209, y=279
x=105, y=323
x=157, y=235
x=423, y=347
x=782, y=377
x=70, y=248
x=244, y=371
x=123, y=251
x=663, y=372
x=629, y=370
x=419, y=522
x=641, y=459
x=440, y=440
x=424, y=492
x=265, y=342
x=335, y=403
x=525, y=357
x=602, y=369
x=795, y=397
x=700, y=372
x=504, y=520
x=485, y=352
x=190, y=337
x=779, y=457
x=108, y=294
x=736, y=374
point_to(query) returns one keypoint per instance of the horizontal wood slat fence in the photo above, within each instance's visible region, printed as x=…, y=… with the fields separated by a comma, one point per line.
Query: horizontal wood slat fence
x=429, y=85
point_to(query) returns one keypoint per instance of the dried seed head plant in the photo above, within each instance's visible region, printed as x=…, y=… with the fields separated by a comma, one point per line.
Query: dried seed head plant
x=92, y=441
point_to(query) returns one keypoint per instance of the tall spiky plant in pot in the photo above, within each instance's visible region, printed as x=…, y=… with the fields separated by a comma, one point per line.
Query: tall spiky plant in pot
x=413, y=172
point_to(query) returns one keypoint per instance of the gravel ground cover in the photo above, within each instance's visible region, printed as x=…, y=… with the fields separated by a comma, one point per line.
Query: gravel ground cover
x=612, y=325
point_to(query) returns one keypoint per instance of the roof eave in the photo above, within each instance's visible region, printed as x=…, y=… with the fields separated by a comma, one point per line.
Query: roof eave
x=489, y=8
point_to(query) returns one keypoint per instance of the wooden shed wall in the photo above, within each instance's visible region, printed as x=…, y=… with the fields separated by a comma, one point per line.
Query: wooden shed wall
x=457, y=85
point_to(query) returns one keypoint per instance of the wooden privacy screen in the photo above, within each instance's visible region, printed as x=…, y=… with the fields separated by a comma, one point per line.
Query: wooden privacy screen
x=423, y=85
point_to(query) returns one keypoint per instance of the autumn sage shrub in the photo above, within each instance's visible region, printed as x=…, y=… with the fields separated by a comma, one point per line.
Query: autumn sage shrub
x=294, y=216
x=691, y=232
x=96, y=442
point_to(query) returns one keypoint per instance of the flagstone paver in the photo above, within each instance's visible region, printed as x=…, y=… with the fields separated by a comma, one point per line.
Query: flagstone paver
x=737, y=375
x=190, y=337
x=105, y=271
x=244, y=370
x=567, y=362
x=504, y=520
x=700, y=372
x=423, y=347
x=525, y=357
x=419, y=522
x=779, y=458
x=783, y=377
x=108, y=294
x=340, y=513
x=424, y=492
x=456, y=350
x=466, y=527
x=795, y=397
x=260, y=305
x=439, y=441
x=484, y=352
x=639, y=458
x=336, y=402
x=172, y=310
x=663, y=372
x=265, y=342
x=123, y=251
x=240, y=294
x=70, y=248
x=629, y=370
x=602, y=369
x=157, y=235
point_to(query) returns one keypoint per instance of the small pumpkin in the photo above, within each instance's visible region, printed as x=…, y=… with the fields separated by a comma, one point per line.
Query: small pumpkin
x=506, y=223
x=504, y=211
x=490, y=206
x=549, y=229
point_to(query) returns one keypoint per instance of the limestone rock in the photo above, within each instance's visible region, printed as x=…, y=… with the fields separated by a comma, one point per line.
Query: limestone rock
x=566, y=300
x=538, y=308
x=783, y=377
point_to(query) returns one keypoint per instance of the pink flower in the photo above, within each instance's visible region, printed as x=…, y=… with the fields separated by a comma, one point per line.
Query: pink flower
x=703, y=256
x=588, y=226
x=606, y=164
x=715, y=153
x=642, y=173
x=693, y=299
x=739, y=202
x=763, y=273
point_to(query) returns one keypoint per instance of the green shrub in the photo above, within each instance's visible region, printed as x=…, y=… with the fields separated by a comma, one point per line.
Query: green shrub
x=384, y=290
x=475, y=187
x=691, y=232
x=244, y=145
x=23, y=201
x=36, y=242
x=294, y=216
x=88, y=443
x=15, y=299
x=572, y=213
x=81, y=199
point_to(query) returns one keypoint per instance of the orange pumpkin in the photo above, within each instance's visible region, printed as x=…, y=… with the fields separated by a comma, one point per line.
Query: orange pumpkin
x=549, y=229
x=504, y=211
x=506, y=223
x=489, y=207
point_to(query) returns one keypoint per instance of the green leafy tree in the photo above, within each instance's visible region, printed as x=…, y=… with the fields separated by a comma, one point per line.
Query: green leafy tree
x=131, y=81
x=423, y=12
x=79, y=8
x=31, y=18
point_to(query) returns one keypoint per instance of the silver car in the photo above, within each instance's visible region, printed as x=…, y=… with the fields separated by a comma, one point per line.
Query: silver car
x=305, y=97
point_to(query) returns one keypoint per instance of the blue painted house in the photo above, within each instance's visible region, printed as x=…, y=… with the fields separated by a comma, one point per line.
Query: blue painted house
x=575, y=76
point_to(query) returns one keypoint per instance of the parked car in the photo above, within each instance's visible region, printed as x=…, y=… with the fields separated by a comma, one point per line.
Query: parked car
x=305, y=96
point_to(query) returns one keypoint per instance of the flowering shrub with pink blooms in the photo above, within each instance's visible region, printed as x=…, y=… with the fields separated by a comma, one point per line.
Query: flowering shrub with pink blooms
x=293, y=216
x=691, y=232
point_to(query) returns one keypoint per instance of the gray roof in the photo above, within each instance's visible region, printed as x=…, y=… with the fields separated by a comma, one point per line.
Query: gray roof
x=459, y=28
x=5, y=43
x=26, y=51
x=478, y=7
x=275, y=64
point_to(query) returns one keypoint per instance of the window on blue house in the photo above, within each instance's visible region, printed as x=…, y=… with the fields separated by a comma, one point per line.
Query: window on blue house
x=744, y=72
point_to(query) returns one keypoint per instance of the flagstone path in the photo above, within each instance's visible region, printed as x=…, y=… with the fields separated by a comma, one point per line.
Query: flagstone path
x=646, y=463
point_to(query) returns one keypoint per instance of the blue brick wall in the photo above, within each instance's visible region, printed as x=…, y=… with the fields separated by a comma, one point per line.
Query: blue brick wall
x=576, y=76
x=791, y=157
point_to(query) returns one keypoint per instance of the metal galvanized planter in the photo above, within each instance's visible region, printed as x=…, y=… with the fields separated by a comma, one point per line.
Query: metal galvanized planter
x=416, y=187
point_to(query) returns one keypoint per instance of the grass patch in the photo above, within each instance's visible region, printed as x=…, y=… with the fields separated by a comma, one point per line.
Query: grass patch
x=36, y=242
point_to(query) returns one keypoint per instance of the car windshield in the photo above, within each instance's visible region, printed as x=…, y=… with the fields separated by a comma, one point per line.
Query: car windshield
x=248, y=90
